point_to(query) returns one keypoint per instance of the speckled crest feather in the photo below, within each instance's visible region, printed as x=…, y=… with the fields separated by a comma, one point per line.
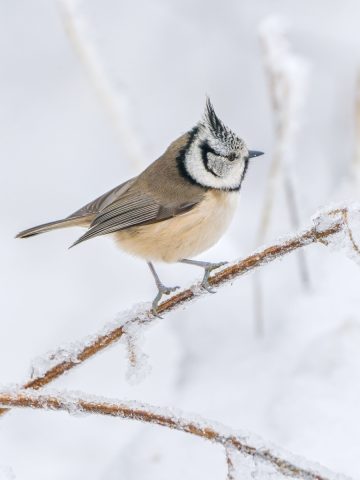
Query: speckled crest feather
x=214, y=156
x=219, y=130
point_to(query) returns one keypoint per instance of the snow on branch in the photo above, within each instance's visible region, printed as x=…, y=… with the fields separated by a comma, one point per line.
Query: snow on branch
x=114, y=96
x=138, y=360
x=336, y=227
x=246, y=454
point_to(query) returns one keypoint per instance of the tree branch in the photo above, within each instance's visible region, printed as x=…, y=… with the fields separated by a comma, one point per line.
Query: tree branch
x=325, y=226
x=283, y=463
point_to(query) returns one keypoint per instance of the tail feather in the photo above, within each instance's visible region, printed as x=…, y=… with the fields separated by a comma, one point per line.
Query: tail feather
x=46, y=227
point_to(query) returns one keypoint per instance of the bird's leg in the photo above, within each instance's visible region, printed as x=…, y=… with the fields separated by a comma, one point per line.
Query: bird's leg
x=209, y=267
x=162, y=290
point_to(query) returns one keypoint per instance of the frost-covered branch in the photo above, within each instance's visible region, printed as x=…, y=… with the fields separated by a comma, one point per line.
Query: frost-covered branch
x=242, y=450
x=287, y=78
x=332, y=227
x=113, y=96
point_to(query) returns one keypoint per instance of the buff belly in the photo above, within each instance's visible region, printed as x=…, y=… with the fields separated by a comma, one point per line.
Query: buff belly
x=184, y=236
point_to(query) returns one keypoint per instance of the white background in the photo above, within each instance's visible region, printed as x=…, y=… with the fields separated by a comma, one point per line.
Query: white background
x=298, y=386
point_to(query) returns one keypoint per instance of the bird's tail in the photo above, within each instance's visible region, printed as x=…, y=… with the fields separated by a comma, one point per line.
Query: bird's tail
x=46, y=227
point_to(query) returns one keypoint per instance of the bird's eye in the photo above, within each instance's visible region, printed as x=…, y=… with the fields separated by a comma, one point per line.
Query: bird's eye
x=231, y=157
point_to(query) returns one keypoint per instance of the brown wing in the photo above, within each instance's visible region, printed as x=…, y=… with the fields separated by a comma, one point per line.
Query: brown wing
x=158, y=193
x=133, y=208
x=101, y=202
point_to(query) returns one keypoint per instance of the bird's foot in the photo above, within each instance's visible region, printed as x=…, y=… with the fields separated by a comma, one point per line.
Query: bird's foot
x=162, y=290
x=209, y=267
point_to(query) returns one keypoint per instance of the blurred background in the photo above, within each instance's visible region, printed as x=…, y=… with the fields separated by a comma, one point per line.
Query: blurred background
x=91, y=93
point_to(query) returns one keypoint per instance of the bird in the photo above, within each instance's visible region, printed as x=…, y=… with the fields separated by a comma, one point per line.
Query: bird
x=177, y=208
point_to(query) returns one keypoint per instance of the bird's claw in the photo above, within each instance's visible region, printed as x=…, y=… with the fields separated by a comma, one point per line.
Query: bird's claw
x=162, y=290
x=206, y=286
x=209, y=267
x=168, y=290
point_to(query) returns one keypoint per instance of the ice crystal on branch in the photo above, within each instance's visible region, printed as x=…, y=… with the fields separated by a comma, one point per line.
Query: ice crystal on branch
x=139, y=366
x=248, y=456
x=347, y=239
x=247, y=467
x=73, y=352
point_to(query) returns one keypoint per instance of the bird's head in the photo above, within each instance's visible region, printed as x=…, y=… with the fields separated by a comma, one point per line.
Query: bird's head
x=215, y=157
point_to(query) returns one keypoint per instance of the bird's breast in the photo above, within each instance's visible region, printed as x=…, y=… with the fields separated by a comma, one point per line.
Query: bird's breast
x=185, y=235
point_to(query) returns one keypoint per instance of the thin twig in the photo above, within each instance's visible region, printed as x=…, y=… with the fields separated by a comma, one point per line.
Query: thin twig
x=222, y=277
x=113, y=96
x=166, y=418
x=230, y=465
x=278, y=61
x=356, y=161
x=295, y=222
x=344, y=212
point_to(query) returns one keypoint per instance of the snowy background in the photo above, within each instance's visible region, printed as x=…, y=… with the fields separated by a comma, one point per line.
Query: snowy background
x=299, y=384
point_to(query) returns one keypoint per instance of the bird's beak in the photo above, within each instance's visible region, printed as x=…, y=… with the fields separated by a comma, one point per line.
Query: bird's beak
x=255, y=153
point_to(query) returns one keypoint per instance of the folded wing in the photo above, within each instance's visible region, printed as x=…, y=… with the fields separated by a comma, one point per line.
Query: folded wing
x=131, y=209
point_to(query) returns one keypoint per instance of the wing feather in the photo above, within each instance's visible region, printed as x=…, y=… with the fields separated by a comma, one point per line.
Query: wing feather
x=125, y=204
x=134, y=208
x=97, y=205
x=151, y=197
x=145, y=214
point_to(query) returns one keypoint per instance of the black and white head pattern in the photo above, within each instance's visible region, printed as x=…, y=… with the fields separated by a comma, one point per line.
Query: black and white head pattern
x=214, y=156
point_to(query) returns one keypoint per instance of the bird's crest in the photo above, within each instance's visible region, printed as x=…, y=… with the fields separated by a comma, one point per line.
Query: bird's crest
x=217, y=129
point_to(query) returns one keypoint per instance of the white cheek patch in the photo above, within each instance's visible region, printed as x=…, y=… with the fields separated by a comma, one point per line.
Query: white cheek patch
x=218, y=165
x=231, y=174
